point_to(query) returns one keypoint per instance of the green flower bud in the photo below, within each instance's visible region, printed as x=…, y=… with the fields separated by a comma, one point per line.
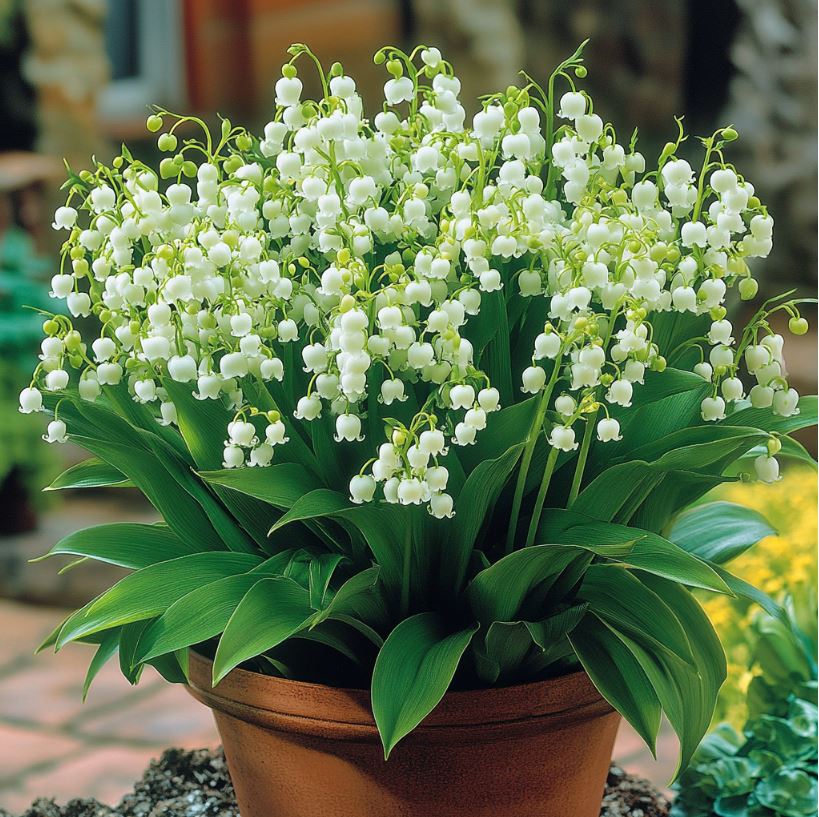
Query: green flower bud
x=748, y=288
x=798, y=325
x=154, y=123
x=166, y=142
x=167, y=169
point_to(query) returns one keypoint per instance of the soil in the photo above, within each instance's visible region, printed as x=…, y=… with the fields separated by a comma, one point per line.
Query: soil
x=196, y=784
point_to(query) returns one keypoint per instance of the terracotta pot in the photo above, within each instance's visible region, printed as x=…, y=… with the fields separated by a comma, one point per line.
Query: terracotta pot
x=305, y=750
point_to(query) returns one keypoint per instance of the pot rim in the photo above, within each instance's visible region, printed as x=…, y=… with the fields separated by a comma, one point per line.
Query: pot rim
x=300, y=706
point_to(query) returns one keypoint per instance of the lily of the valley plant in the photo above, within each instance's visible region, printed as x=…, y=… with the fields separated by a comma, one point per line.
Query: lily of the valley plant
x=418, y=396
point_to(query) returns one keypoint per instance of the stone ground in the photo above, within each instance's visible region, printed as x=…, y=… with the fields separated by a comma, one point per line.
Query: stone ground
x=53, y=745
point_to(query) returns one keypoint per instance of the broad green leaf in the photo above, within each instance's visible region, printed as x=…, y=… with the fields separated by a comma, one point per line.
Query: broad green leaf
x=180, y=510
x=201, y=614
x=744, y=590
x=382, y=525
x=126, y=544
x=107, y=649
x=709, y=658
x=138, y=415
x=321, y=570
x=92, y=473
x=504, y=430
x=620, y=599
x=412, y=673
x=719, y=531
x=546, y=632
x=172, y=666
x=676, y=491
x=129, y=635
x=765, y=419
x=476, y=499
x=280, y=485
x=650, y=630
x=699, y=446
x=499, y=592
x=151, y=590
x=223, y=523
x=666, y=403
x=203, y=425
x=315, y=505
x=633, y=547
x=676, y=684
x=618, y=677
x=507, y=644
x=358, y=603
x=272, y=611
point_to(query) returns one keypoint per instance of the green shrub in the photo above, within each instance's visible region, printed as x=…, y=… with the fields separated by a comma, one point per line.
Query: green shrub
x=769, y=770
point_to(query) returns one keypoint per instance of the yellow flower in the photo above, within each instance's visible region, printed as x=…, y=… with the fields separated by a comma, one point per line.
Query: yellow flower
x=778, y=564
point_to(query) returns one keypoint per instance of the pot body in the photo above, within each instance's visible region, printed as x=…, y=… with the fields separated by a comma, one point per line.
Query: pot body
x=305, y=750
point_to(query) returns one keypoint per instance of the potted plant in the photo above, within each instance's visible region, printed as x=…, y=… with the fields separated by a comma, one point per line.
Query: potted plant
x=417, y=399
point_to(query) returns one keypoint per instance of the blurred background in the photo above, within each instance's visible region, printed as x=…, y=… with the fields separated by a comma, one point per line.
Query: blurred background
x=76, y=79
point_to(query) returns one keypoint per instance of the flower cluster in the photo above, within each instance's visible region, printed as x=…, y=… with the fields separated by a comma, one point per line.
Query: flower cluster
x=365, y=247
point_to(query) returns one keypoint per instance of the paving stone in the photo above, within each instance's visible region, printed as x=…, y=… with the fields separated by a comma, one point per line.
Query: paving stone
x=170, y=716
x=48, y=691
x=106, y=773
x=22, y=749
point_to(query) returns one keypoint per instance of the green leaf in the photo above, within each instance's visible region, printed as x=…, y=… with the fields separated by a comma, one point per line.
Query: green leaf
x=508, y=644
x=127, y=544
x=272, y=611
x=92, y=473
x=619, y=598
x=280, y=485
x=203, y=425
x=197, y=616
x=618, y=677
x=765, y=419
x=151, y=590
x=179, y=509
x=719, y=531
x=632, y=546
x=412, y=673
x=476, y=499
x=709, y=659
x=320, y=573
x=498, y=593
x=699, y=446
x=107, y=649
x=382, y=525
x=359, y=604
x=744, y=590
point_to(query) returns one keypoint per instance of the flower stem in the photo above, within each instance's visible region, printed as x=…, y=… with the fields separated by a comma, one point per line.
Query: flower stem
x=528, y=451
x=581, y=459
x=541, y=496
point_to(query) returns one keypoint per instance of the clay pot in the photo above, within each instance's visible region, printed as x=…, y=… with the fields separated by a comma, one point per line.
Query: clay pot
x=306, y=750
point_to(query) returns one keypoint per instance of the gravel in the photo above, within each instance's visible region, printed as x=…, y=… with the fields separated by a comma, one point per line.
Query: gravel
x=196, y=784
